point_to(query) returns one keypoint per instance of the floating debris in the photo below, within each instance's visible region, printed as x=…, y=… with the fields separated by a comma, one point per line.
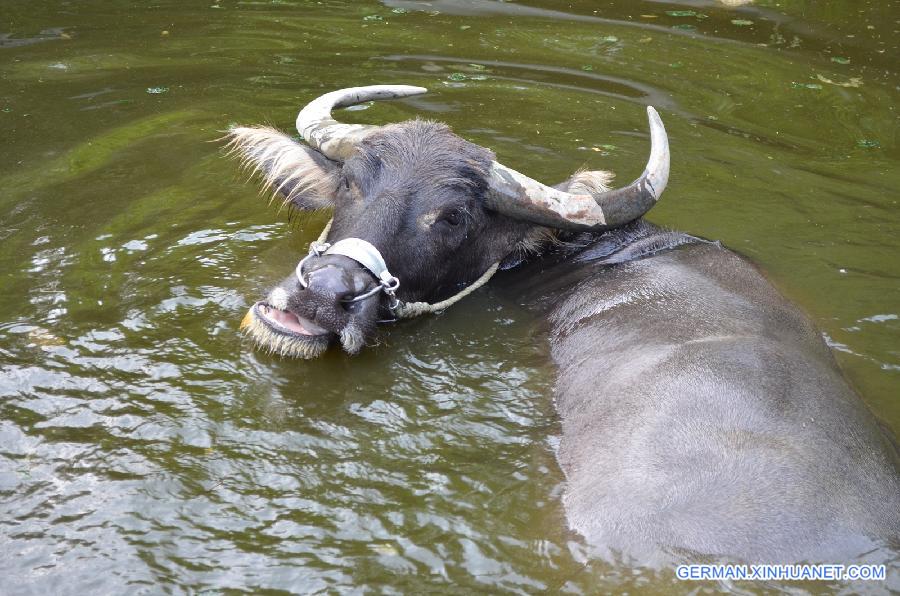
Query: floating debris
x=685, y=13
x=868, y=144
x=684, y=27
x=853, y=82
x=373, y=17
x=796, y=85
x=741, y=22
x=157, y=90
x=603, y=150
x=840, y=60
x=587, y=67
x=461, y=76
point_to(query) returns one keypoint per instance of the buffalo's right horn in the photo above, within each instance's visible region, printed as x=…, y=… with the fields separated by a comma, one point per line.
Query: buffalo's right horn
x=519, y=196
x=336, y=140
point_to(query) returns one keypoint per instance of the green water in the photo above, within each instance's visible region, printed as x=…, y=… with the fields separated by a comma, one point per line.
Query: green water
x=143, y=447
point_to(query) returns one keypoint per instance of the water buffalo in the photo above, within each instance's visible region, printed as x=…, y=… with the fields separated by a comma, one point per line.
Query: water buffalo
x=702, y=415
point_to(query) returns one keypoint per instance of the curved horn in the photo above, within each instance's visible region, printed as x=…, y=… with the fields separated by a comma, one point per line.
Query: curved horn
x=336, y=140
x=521, y=197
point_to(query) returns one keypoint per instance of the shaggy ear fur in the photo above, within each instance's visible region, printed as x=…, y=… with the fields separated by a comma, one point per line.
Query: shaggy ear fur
x=303, y=176
x=589, y=182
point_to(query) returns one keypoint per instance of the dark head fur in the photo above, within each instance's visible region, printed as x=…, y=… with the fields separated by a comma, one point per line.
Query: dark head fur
x=415, y=191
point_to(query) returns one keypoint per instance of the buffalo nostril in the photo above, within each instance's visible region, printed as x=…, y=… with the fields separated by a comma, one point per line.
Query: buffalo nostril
x=336, y=282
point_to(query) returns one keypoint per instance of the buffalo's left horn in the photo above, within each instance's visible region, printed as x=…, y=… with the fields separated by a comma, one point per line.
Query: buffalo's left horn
x=336, y=140
x=519, y=196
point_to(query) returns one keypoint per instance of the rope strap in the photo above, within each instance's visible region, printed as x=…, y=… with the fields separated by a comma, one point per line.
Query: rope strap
x=408, y=310
x=324, y=235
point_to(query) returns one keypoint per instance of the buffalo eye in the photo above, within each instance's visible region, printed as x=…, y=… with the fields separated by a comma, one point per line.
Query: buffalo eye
x=452, y=218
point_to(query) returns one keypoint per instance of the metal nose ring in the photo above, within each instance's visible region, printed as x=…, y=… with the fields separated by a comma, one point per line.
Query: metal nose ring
x=366, y=255
x=316, y=249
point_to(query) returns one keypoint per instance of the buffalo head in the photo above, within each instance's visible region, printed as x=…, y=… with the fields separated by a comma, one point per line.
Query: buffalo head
x=421, y=210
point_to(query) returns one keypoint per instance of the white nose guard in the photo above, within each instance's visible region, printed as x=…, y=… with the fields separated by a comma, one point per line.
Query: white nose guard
x=363, y=253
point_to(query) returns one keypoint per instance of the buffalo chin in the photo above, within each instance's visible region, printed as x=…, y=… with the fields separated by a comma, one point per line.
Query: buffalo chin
x=283, y=333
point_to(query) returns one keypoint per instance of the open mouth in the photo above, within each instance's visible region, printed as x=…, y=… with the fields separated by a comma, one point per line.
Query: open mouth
x=286, y=322
x=284, y=333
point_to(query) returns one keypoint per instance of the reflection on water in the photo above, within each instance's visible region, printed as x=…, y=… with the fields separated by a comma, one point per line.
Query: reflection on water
x=143, y=445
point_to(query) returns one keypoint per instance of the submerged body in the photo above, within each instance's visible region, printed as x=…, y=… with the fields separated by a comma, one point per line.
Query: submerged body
x=701, y=411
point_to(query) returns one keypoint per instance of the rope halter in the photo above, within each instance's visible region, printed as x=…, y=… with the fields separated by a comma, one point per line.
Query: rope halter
x=370, y=258
x=363, y=253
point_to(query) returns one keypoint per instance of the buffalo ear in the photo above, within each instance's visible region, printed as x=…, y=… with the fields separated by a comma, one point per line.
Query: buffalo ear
x=303, y=176
x=589, y=182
